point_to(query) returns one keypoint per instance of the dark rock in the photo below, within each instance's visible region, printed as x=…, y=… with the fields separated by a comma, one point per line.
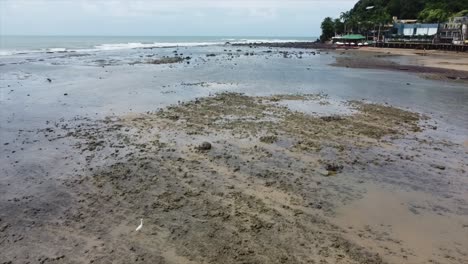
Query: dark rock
x=165, y=60
x=4, y=227
x=205, y=146
x=440, y=167
x=269, y=139
x=333, y=168
x=331, y=118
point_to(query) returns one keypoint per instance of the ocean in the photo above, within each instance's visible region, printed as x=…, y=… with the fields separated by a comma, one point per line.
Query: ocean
x=11, y=45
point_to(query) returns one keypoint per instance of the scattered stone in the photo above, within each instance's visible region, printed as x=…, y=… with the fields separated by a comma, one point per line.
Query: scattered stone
x=4, y=227
x=163, y=60
x=205, y=146
x=324, y=172
x=332, y=169
x=440, y=167
x=268, y=139
x=331, y=118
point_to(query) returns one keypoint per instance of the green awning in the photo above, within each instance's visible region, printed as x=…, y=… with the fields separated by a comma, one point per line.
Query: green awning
x=353, y=37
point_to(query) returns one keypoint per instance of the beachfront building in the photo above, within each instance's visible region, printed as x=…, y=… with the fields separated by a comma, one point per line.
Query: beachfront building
x=454, y=32
x=350, y=40
x=412, y=32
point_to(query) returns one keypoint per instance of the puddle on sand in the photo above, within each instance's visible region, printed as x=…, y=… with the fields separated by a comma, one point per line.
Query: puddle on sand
x=321, y=108
x=392, y=223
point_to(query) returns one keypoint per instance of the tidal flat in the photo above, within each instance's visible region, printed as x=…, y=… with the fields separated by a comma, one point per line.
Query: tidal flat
x=229, y=155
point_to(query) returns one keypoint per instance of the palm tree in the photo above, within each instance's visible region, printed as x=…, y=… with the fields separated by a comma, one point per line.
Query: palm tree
x=344, y=16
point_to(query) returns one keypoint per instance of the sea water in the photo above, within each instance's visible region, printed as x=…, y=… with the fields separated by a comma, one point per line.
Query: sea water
x=10, y=45
x=111, y=75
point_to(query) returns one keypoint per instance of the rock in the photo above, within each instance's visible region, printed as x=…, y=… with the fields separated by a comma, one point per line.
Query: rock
x=4, y=227
x=440, y=167
x=166, y=60
x=331, y=169
x=268, y=139
x=65, y=94
x=205, y=146
x=331, y=118
x=324, y=172
x=334, y=167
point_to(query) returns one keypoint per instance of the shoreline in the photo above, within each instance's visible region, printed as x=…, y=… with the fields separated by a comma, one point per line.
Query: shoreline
x=383, y=61
x=431, y=64
x=427, y=58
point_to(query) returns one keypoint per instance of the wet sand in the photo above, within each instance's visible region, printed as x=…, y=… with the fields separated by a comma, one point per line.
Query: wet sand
x=431, y=64
x=231, y=177
x=428, y=58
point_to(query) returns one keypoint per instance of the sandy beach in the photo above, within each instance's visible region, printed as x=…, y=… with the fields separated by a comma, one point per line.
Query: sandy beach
x=234, y=154
x=428, y=58
x=431, y=64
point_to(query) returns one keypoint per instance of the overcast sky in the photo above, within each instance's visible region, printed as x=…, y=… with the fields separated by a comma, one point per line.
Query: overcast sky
x=168, y=17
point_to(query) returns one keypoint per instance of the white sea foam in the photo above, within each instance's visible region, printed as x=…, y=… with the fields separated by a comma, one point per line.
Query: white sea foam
x=135, y=45
x=6, y=52
x=56, y=49
x=242, y=41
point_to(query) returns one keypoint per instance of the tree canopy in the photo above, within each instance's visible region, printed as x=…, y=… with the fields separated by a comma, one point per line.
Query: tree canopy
x=367, y=14
x=328, y=29
x=408, y=9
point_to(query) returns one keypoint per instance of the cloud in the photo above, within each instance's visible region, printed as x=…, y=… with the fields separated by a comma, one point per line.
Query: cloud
x=132, y=8
x=171, y=16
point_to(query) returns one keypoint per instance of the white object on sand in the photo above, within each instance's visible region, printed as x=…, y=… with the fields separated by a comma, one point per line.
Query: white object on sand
x=140, y=226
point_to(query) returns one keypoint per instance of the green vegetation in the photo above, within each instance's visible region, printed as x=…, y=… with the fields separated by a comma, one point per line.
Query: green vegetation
x=370, y=14
x=430, y=15
x=328, y=29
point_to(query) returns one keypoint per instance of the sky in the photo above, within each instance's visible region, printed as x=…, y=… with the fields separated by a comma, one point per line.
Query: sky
x=168, y=17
